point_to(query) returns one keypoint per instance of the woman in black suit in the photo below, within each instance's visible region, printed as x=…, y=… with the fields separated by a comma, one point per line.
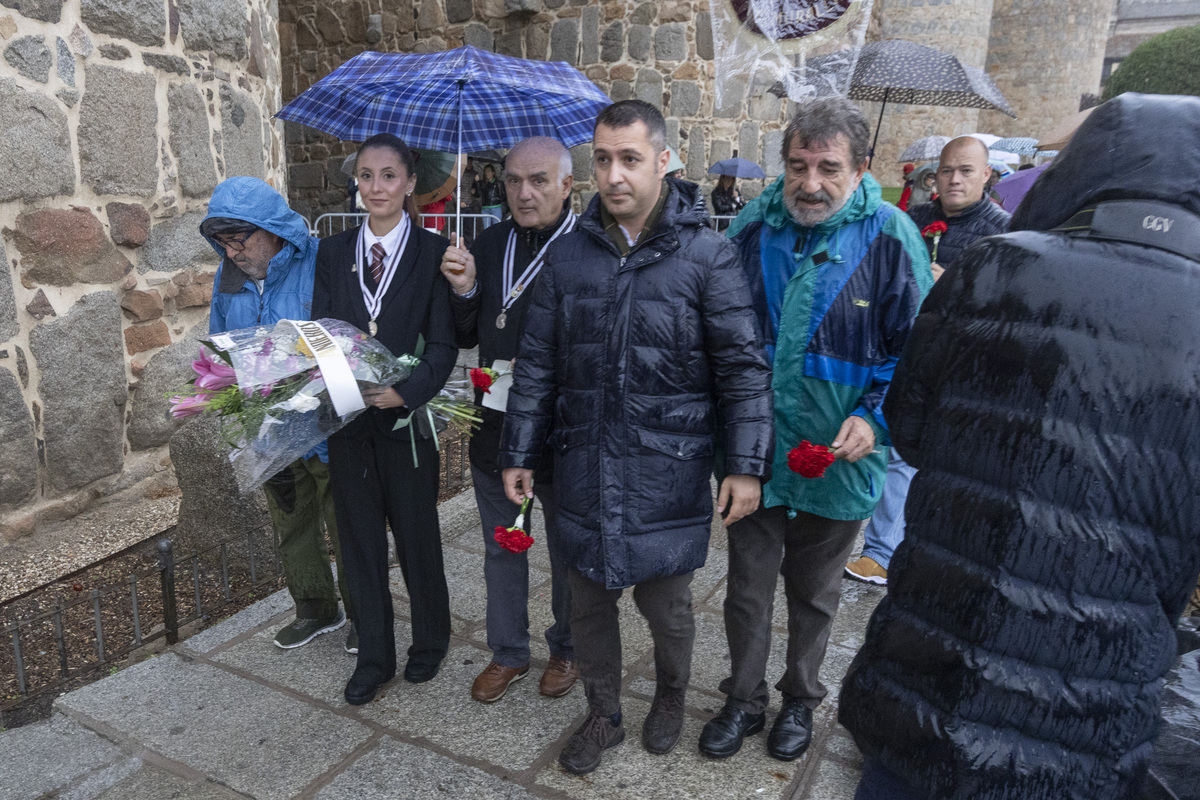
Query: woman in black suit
x=384, y=278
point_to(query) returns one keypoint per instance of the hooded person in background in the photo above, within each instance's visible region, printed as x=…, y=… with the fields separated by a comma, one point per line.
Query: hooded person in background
x=1049, y=396
x=266, y=275
x=922, y=185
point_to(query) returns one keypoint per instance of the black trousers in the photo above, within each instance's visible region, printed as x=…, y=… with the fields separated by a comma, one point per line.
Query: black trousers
x=666, y=603
x=375, y=483
x=811, y=553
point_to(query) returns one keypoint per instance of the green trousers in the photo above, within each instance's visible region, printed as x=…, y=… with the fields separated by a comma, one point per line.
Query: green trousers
x=302, y=509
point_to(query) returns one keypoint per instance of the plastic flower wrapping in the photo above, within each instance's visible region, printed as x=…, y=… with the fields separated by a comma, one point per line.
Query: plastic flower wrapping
x=281, y=390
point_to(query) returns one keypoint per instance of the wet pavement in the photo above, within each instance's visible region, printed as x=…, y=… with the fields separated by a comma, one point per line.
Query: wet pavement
x=226, y=714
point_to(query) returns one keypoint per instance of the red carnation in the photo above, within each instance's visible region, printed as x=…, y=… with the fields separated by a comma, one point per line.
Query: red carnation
x=810, y=460
x=482, y=378
x=934, y=230
x=514, y=540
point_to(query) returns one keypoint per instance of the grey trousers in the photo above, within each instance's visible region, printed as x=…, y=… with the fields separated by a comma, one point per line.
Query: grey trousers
x=666, y=603
x=812, y=552
x=507, y=577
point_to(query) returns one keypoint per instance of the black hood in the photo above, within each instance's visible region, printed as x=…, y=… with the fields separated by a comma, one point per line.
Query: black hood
x=1134, y=147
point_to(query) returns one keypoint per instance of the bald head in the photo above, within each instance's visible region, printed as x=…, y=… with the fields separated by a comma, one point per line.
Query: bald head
x=962, y=174
x=538, y=180
x=542, y=148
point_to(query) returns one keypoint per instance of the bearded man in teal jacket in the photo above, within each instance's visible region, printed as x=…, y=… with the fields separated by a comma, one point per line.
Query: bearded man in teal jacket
x=836, y=275
x=266, y=275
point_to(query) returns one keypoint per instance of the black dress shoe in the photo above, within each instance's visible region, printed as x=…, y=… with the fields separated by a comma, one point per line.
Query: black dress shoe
x=361, y=690
x=723, y=734
x=419, y=672
x=791, y=732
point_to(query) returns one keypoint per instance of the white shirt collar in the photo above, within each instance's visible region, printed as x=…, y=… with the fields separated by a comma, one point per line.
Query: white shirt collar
x=390, y=240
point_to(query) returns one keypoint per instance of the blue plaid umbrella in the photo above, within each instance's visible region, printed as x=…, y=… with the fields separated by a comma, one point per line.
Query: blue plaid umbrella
x=458, y=100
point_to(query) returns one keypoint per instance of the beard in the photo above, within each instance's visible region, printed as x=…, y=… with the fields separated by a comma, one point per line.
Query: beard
x=810, y=217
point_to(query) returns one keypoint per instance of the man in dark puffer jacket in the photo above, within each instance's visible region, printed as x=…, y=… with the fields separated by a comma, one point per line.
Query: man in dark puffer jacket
x=640, y=343
x=962, y=204
x=1049, y=396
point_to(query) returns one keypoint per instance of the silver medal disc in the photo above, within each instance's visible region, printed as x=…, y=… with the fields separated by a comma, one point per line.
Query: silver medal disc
x=373, y=328
x=501, y=320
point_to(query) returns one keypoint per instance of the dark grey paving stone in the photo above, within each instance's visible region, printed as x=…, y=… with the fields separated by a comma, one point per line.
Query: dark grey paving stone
x=857, y=604
x=398, y=771
x=511, y=733
x=36, y=760
x=151, y=783
x=245, y=620
x=246, y=736
x=319, y=670
x=834, y=780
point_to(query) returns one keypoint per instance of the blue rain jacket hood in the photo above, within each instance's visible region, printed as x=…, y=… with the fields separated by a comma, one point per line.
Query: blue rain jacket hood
x=287, y=290
x=1049, y=397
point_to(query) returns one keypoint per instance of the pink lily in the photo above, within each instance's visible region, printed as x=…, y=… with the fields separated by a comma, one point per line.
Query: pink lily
x=189, y=405
x=213, y=375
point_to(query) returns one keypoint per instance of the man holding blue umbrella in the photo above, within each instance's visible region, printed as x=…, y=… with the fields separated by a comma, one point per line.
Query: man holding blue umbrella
x=492, y=285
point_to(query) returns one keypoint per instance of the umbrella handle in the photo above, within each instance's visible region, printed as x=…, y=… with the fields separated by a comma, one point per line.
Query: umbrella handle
x=878, y=125
x=458, y=174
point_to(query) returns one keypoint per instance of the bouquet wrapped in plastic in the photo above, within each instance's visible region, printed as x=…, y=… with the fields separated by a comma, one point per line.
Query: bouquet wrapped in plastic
x=282, y=390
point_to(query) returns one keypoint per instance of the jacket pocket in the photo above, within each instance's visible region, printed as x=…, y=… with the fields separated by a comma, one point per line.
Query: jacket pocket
x=672, y=472
x=576, y=471
x=683, y=446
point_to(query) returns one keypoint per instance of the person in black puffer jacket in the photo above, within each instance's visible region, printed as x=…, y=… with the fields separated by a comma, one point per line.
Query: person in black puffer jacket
x=962, y=204
x=1049, y=397
x=639, y=346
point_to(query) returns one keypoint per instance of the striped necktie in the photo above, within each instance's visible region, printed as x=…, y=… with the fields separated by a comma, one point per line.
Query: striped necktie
x=377, y=256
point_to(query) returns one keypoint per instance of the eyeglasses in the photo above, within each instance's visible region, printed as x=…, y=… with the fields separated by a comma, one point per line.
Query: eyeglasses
x=237, y=243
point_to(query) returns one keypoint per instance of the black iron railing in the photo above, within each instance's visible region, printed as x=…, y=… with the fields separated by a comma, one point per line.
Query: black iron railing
x=47, y=650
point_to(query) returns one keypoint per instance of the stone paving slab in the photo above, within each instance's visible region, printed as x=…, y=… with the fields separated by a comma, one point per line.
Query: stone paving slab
x=40, y=760
x=398, y=771
x=510, y=733
x=151, y=783
x=628, y=771
x=224, y=724
x=254, y=739
x=245, y=620
x=318, y=670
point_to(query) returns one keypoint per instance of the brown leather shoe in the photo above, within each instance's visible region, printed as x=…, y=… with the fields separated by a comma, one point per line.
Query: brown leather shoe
x=559, y=677
x=491, y=684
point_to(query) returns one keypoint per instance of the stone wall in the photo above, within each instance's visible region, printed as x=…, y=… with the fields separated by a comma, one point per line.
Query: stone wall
x=1044, y=68
x=660, y=52
x=119, y=117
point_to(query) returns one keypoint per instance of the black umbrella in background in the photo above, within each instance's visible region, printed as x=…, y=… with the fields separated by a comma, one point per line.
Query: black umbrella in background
x=901, y=71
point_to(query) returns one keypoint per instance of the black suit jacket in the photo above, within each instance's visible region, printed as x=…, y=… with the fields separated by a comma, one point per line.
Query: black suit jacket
x=416, y=304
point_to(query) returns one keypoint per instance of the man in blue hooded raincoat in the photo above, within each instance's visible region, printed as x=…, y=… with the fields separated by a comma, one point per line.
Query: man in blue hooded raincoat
x=266, y=274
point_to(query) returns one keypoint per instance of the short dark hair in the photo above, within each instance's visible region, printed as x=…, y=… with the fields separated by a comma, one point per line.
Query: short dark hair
x=823, y=121
x=629, y=112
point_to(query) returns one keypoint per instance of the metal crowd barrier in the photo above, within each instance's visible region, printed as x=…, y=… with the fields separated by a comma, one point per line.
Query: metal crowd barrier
x=443, y=224
x=473, y=224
